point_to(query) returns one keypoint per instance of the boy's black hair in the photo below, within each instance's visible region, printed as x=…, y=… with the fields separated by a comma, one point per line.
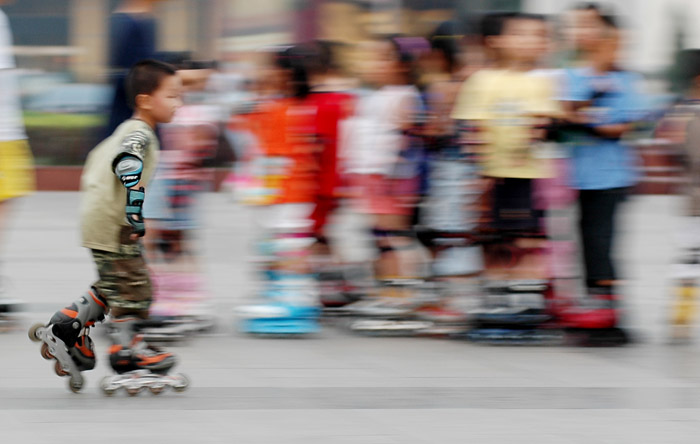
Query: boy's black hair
x=610, y=21
x=531, y=16
x=145, y=77
x=325, y=56
x=297, y=60
x=491, y=24
x=589, y=6
x=406, y=55
x=445, y=39
x=605, y=13
x=501, y=19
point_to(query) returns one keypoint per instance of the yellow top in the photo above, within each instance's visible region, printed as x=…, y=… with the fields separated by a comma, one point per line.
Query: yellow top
x=505, y=106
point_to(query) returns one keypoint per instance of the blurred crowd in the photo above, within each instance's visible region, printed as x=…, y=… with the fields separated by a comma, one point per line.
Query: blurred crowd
x=396, y=175
x=460, y=154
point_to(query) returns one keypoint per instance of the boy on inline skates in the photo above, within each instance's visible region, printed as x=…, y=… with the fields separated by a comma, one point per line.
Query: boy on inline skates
x=112, y=186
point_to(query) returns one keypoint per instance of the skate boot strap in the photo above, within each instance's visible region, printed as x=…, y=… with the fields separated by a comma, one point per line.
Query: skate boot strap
x=83, y=346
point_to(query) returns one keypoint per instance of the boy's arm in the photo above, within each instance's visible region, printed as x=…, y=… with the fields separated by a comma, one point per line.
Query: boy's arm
x=615, y=126
x=128, y=166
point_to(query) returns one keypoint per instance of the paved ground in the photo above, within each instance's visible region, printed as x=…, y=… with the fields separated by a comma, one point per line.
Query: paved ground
x=337, y=388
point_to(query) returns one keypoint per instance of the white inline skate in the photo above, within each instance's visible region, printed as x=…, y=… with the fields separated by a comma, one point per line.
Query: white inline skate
x=53, y=347
x=65, y=337
x=138, y=365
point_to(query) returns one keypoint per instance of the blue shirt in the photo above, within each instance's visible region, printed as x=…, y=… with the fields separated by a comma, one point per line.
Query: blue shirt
x=599, y=163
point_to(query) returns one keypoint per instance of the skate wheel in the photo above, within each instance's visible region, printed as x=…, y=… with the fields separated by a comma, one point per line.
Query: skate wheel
x=133, y=391
x=108, y=391
x=75, y=383
x=157, y=390
x=182, y=385
x=33, y=336
x=58, y=368
x=107, y=388
x=45, y=353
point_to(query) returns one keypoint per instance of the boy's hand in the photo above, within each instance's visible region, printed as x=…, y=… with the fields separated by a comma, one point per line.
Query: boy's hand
x=577, y=118
x=134, y=215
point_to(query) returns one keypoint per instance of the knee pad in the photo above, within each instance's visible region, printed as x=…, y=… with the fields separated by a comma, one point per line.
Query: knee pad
x=69, y=322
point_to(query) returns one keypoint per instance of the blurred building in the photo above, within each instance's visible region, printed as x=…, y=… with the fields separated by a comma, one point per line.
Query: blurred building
x=71, y=35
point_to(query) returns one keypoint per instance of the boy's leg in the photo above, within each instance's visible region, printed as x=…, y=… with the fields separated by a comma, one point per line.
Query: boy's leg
x=124, y=280
x=126, y=284
x=598, y=212
x=514, y=215
x=587, y=229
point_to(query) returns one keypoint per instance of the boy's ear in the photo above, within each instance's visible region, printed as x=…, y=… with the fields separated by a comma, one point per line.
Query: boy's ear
x=143, y=101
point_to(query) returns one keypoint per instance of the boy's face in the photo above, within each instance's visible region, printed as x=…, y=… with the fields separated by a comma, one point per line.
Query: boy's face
x=164, y=101
x=523, y=39
x=585, y=29
x=610, y=45
x=386, y=66
x=378, y=63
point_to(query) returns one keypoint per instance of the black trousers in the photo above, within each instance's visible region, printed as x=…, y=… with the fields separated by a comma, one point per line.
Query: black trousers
x=598, y=209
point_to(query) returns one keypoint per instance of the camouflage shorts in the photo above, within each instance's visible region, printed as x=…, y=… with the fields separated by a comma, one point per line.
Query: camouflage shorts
x=124, y=278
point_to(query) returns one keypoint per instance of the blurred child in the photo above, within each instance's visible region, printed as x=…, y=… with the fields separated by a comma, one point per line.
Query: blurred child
x=16, y=163
x=506, y=111
x=602, y=103
x=581, y=32
x=444, y=208
x=333, y=103
x=382, y=157
x=449, y=211
x=285, y=128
